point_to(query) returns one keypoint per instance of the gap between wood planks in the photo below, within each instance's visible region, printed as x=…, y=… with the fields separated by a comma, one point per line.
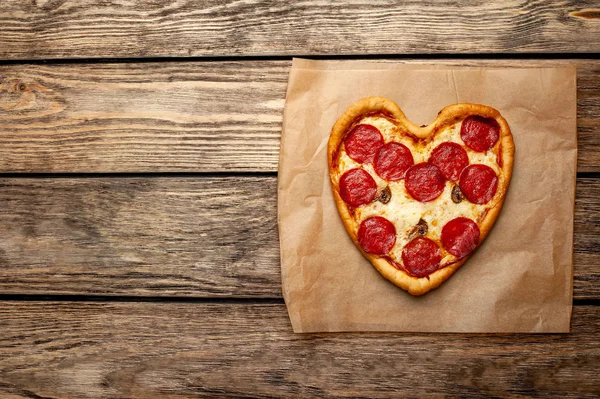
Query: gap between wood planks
x=158, y=299
x=374, y=57
x=125, y=175
x=177, y=299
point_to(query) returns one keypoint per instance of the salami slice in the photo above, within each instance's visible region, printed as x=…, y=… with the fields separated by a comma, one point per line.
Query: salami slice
x=421, y=257
x=424, y=182
x=392, y=161
x=451, y=159
x=479, y=133
x=460, y=237
x=478, y=183
x=357, y=187
x=377, y=235
x=363, y=142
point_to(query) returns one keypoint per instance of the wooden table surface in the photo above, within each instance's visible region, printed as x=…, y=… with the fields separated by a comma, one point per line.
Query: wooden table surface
x=138, y=166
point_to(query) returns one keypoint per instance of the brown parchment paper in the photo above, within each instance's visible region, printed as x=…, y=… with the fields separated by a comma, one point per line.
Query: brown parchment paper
x=520, y=280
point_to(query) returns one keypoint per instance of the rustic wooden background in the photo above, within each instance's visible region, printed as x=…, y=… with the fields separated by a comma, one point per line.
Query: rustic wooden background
x=138, y=165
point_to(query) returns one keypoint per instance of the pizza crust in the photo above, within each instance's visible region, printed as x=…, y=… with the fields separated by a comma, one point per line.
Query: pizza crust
x=449, y=115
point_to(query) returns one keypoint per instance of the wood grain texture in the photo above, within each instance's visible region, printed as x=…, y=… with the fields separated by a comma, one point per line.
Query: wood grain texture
x=141, y=117
x=197, y=116
x=184, y=236
x=140, y=236
x=173, y=350
x=41, y=29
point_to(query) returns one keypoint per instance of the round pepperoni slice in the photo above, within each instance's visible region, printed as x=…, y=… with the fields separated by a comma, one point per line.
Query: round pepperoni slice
x=392, y=161
x=478, y=183
x=424, y=182
x=363, y=142
x=479, y=133
x=451, y=159
x=376, y=235
x=421, y=257
x=357, y=187
x=460, y=237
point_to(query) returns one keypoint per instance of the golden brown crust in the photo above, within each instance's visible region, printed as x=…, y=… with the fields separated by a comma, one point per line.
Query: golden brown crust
x=448, y=115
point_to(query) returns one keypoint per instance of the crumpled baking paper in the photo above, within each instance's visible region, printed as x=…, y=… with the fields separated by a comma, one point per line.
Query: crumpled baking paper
x=519, y=280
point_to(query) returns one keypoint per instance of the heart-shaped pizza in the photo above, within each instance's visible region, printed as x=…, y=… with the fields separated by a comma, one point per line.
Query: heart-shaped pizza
x=418, y=201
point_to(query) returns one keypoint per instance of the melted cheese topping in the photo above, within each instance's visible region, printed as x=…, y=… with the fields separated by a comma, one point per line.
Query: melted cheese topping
x=403, y=210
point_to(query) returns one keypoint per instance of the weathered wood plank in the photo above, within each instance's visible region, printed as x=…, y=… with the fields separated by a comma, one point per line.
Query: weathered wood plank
x=140, y=236
x=174, y=350
x=184, y=236
x=141, y=117
x=151, y=117
x=72, y=29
